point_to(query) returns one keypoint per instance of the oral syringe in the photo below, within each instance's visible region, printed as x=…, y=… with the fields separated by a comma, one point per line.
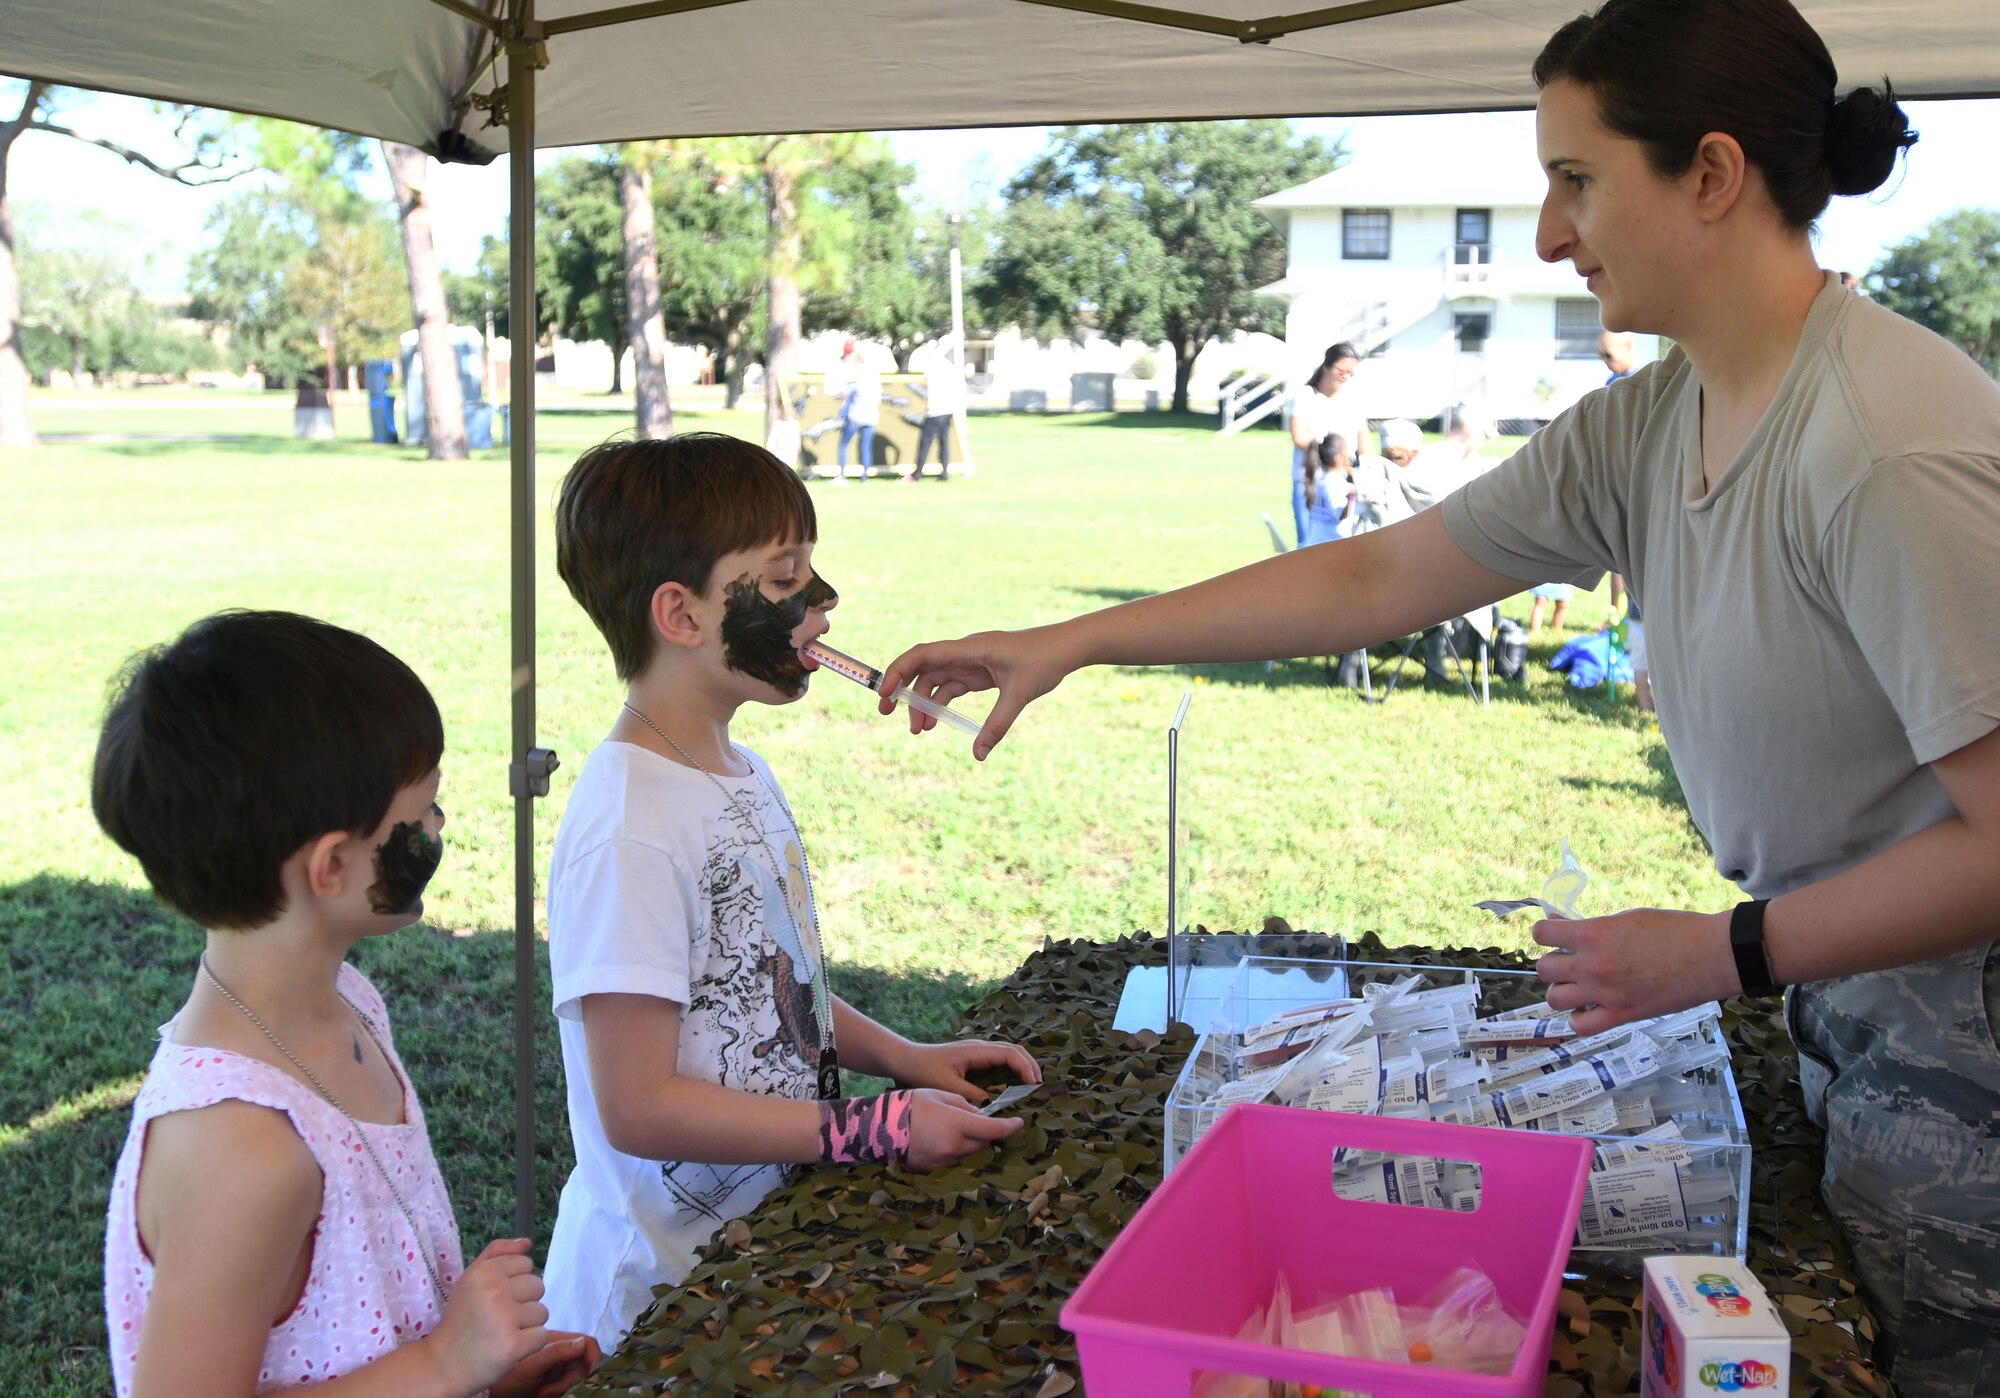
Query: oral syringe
x=870, y=678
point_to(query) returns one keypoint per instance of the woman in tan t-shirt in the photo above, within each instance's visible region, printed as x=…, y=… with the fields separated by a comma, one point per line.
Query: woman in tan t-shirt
x=1688, y=146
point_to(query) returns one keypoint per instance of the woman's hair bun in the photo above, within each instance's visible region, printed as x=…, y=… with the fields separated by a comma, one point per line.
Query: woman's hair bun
x=1864, y=133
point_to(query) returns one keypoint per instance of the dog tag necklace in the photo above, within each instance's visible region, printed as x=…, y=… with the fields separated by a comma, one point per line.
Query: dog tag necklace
x=829, y=1056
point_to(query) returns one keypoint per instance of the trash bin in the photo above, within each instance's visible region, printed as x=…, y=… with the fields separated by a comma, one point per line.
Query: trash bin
x=378, y=374
x=478, y=426
x=312, y=413
x=1092, y=393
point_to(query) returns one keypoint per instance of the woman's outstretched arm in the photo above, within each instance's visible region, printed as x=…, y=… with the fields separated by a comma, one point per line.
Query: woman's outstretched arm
x=1318, y=601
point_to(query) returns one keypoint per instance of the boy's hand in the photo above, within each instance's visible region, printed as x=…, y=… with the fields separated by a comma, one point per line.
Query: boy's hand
x=493, y=1320
x=943, y=1127
x=949, y=1066
x=552, y=1370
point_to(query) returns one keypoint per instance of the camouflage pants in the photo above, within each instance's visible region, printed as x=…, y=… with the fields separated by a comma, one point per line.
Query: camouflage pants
x=1902, y=1070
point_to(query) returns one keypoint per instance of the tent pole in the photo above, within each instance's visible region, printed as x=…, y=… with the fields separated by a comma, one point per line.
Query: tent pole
x=528, y=776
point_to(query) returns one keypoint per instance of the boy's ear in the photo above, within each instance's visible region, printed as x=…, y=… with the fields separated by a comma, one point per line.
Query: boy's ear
x=676, y=615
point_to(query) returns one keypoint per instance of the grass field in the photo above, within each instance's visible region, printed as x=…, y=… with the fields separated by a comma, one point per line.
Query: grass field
x=936, y=874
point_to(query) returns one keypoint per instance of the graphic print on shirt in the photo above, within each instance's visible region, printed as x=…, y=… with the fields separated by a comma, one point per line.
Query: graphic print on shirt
x=790, y=969
x=752, y=998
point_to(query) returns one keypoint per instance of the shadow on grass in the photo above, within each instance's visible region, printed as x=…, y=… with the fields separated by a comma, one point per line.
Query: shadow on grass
x=91, y=970
x=275, y=446
x=1111, y=595
x=1661, y=784
x=1159, y=420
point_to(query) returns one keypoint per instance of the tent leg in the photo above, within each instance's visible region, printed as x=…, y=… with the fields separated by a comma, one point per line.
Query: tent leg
x=531, y=767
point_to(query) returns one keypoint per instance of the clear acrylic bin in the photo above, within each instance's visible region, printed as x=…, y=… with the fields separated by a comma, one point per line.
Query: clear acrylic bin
x=1699, y=1209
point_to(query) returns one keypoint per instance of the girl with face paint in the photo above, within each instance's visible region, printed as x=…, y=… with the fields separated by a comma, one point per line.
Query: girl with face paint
x=277, y=1181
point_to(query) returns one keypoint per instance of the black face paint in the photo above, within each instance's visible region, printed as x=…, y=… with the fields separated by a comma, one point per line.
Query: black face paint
x=404, y=863
x=757, y=632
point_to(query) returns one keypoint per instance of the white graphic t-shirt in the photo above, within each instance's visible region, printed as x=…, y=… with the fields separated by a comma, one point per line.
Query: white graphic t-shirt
x=661, y=886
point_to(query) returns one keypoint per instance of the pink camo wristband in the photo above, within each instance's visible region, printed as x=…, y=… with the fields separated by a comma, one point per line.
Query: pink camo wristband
x=854, y=1129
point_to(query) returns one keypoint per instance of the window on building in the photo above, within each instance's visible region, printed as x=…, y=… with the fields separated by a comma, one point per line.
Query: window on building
x=1364, y=233
x=1577, y=327
x=1474, y=242
x=1472, y=329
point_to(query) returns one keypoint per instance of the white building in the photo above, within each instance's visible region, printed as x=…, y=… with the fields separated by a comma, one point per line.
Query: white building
x=1431, y=272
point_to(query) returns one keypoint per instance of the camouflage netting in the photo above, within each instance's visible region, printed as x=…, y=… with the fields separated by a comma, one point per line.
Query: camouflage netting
x=870, y=1280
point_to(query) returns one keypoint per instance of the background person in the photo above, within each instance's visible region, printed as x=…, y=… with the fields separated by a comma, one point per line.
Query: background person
x=1614, y=350
x=860, y=389
x=1806, y=491
x=1544, y=594
x=1328, y=487
x=1323, y=405
x=944, y=399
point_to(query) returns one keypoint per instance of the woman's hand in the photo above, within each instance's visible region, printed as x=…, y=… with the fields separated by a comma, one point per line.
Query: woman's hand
x=1635, y=965
x=1022, y=665
x=550, y=1371
x=949, y=1066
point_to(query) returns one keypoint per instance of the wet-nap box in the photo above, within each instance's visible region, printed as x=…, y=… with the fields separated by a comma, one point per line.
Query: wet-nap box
x=1710, y=1330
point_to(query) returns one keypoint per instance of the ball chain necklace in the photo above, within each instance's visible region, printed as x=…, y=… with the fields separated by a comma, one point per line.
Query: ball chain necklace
x=416, y=1233
x=829, y=1057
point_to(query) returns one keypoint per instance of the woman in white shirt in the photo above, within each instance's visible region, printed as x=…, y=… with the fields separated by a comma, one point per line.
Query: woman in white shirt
x=1322, y=407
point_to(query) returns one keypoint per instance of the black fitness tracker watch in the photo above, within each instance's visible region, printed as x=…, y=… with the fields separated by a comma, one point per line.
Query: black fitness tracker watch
x=1746, y=941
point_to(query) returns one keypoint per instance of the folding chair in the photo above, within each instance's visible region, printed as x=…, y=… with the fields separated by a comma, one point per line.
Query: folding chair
x=1482, y=623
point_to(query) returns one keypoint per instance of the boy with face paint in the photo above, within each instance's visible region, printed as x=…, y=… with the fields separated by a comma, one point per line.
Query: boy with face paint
x=277, y=778
x=701, y=1042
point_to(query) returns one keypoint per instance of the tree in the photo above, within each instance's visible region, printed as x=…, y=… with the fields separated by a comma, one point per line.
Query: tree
x=646, y=328
x=580, y=253
x=351, y=284
x=1146, y=231
x=243, y=279
x=783, y=167
x=1947, y=278
x=208, y=160
x=710, y=229
x=79, y=300
x=444, y=402
x=808, y=236
x=898, y=290
x=84, y=308
x=274, y=271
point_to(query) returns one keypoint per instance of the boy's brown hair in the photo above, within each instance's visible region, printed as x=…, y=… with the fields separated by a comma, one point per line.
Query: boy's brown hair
x=633, y=515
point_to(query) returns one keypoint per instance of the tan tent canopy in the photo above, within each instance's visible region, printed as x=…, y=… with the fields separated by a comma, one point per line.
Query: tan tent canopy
x=470, y=79
x=413, y=69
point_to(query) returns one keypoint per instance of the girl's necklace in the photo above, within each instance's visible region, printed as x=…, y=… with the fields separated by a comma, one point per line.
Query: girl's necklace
x=829, y=1056
x=320, y=1087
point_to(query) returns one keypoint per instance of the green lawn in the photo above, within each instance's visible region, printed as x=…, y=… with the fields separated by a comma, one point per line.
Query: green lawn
x=936, y=874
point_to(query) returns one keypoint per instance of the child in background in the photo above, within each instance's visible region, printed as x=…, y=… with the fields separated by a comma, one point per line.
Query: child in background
x=277, y=1217
x=1329, y=483
x=698, y=1031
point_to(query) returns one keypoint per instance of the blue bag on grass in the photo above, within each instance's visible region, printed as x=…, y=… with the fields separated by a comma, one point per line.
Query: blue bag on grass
x=1593, y=660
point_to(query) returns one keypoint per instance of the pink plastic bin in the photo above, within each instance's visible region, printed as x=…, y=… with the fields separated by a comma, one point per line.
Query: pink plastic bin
x=1255, y=1198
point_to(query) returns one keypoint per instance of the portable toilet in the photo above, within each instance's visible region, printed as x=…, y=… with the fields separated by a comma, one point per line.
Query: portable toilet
x=469, y=348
